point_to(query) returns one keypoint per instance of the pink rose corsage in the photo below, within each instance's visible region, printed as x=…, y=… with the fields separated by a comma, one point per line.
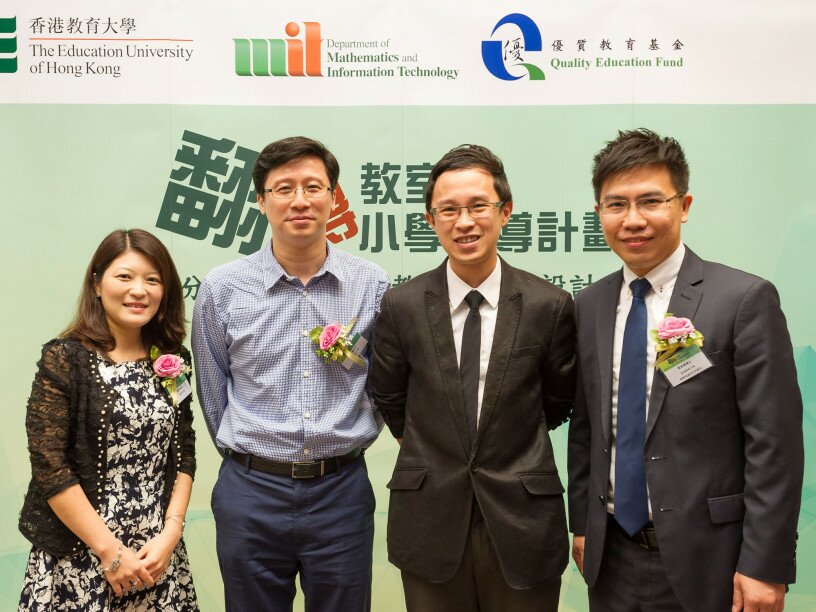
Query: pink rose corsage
x=171, y=369
x=333, y=342
x=330, y=335
x=672, y=334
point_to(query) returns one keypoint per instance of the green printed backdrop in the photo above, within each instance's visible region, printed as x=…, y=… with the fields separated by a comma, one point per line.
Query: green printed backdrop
x=71, y=173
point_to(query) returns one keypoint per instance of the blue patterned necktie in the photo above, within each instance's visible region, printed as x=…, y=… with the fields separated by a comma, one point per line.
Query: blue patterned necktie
x=631, y=505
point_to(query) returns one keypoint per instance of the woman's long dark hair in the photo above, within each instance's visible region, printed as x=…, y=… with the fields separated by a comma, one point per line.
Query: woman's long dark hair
x=165, y=330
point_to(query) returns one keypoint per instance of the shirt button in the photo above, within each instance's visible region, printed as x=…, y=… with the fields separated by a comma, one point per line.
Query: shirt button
x=308, y=415
x=306, y=374
x=305, y=451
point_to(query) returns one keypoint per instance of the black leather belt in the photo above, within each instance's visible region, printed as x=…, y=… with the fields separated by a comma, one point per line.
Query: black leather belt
x=297, y=469
x=645, y=538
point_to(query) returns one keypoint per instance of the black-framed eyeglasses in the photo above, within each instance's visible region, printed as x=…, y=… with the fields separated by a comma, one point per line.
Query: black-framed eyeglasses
x=476, y=211
x=310, y=192
x=646, y=205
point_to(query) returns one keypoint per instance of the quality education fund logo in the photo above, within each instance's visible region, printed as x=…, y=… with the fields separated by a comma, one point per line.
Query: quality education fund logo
x=8, y=45
x=291, y=56
x=521, y=38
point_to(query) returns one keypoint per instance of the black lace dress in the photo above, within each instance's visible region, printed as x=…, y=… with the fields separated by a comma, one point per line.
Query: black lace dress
x=138, y=443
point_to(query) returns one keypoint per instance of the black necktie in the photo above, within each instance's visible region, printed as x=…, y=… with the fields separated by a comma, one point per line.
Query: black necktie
x=631, y=505
x=469, y=360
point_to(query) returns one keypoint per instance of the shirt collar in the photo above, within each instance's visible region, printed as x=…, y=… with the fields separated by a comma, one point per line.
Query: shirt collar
x=490, y=288
x=663, y=275
x=273, y=271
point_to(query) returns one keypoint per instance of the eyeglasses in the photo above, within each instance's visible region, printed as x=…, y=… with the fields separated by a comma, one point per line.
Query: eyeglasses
x=310, y=192
x=479, y=210
x=648, y=205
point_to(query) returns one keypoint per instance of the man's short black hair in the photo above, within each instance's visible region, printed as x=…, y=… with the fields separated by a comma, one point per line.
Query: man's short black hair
x=638, y=148
x=283, y=151
x=468, y=156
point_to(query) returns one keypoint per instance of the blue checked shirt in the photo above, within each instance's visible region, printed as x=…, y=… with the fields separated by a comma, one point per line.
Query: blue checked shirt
x=262, y=389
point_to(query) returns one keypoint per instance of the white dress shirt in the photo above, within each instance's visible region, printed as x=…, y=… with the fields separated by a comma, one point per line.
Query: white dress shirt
x=490, y=289
x=662, y=278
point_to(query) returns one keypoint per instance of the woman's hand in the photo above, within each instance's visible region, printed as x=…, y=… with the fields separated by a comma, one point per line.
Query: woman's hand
x=131, y=573
x=156, y=553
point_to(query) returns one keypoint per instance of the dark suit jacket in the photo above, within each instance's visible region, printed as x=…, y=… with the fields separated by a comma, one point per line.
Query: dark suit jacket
x=510, y=469
x=724, y=450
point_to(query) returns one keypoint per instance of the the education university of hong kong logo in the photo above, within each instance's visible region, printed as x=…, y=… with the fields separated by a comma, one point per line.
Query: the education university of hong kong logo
x=499, y=55
x=280, y=56
x=8, y=44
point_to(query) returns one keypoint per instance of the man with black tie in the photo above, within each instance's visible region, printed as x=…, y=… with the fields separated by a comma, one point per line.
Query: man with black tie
x=473, y=364
x=685, y=449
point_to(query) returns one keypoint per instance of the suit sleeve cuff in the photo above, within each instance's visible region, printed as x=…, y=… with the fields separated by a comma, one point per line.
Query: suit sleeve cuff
x=396, y=427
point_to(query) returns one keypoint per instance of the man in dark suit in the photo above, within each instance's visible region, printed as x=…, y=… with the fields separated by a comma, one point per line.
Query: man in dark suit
x=685, y=485
x=473, y=363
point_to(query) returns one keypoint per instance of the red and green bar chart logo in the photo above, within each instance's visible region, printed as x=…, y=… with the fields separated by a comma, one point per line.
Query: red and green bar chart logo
x=293, y=56
x=8, y=45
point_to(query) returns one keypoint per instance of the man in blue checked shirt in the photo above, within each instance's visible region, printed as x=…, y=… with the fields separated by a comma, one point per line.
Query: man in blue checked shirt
x=292, y=494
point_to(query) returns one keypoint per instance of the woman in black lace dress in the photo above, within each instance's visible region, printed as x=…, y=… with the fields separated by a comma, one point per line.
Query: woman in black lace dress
x=111, y=442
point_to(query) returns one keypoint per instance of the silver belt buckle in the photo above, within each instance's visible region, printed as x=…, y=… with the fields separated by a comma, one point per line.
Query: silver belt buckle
x=299, y=475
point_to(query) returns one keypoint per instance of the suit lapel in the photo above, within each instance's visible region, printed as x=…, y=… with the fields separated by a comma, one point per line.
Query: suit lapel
x=684, y=302
x=604, y=336
x=437, y=304
x=504, y=335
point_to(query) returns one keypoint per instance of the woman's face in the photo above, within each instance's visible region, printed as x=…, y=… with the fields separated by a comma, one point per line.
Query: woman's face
x=131, y=291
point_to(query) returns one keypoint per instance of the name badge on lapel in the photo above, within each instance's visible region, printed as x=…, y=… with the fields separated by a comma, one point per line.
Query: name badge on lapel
x=356, y=346
x=684, y=364
x=183, y=388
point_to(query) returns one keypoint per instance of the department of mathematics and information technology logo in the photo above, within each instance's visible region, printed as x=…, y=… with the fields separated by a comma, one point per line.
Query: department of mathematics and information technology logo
x=281, y=56
x=499, y=55
x=8, y=45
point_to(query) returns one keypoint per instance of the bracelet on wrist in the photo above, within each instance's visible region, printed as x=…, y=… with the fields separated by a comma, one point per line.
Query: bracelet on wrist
x=117, y=561
x=178, y=518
